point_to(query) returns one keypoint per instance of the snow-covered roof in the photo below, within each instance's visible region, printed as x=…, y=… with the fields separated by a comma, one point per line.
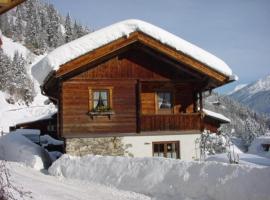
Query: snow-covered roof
x=88, y=43
x=38, y=118
x=216, y=115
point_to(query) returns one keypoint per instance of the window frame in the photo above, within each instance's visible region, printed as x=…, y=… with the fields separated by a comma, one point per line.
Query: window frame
x=165, y=143
x=91, y=91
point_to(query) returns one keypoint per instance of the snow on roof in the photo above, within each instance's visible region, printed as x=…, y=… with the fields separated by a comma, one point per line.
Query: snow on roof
x=88, y=43
x=216, y=115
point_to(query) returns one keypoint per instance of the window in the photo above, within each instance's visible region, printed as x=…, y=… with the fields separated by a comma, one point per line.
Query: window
x=100, y=99
x=168, y=149
x=164, y=100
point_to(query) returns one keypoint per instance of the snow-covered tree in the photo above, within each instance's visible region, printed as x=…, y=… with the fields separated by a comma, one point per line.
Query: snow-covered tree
x=55, y=37
x=68, y=29
x=5, y=64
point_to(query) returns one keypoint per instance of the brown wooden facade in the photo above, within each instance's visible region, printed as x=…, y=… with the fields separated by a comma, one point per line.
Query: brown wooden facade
x=133, y=70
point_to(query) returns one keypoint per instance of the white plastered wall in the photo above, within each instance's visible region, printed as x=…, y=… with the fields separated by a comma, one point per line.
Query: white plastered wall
x=142, y=145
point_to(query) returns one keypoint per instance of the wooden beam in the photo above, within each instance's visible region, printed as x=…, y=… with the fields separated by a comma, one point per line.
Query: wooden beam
x=138, y=105
x=9, y=5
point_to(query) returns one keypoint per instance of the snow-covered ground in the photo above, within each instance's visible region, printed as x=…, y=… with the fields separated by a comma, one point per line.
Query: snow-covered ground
x=105, y=177
x=44, y=187
x=163, y=178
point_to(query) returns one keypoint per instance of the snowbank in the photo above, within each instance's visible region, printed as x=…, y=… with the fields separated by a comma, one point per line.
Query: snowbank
x=168, y=178
x=256, y=146
x=94, y=40
x=15, y=147
x=244, y=158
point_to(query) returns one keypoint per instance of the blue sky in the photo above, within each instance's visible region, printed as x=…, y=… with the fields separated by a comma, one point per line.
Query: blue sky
x=237, y=31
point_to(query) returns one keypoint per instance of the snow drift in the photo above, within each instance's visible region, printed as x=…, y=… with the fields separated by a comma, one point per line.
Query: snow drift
x=168, y=178
x=15, y=147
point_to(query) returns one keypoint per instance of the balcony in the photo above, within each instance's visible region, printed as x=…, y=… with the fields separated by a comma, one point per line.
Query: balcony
x=171, y=122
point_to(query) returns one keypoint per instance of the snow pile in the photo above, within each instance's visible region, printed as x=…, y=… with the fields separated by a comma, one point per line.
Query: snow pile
x=168, y=178
x=104, y=36
x=257, y=146
x=46, y=140
x=15, y=147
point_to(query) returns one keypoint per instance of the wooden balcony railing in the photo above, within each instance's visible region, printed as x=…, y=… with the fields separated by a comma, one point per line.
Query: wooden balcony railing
x=171, y=122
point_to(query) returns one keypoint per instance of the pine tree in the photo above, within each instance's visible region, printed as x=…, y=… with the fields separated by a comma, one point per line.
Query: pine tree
x=78, y=31
x=5, y=64
x=55, y=37
x=18, y=30
x=33, y=28
x=68, y=29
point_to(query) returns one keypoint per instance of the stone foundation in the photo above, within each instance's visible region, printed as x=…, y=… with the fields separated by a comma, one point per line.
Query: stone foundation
x=106, y=146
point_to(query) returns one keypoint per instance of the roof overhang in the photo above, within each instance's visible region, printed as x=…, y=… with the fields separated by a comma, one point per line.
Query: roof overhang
x=139, y=37
x=6, y=5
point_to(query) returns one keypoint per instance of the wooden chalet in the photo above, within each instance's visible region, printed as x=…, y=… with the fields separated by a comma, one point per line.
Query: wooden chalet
x=130, y=87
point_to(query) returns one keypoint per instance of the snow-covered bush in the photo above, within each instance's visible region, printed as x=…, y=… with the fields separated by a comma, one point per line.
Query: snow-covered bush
x=212, y=143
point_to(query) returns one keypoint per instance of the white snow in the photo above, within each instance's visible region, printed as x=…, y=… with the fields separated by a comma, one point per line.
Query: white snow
x=244, y=158
x=47, y=140
x=92, y=41
x=45, y=187
x=15, y=147
x=257, y=148
x=172, y=179
x=238, y=87
x=10, y=47
x=216, y=115
x=12, y=114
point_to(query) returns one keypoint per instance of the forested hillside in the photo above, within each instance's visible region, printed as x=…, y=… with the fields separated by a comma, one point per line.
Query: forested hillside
x=39, y=27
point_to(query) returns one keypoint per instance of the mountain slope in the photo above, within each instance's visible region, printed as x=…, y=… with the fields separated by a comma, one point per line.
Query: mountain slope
x=255, y=95
x=245, y=123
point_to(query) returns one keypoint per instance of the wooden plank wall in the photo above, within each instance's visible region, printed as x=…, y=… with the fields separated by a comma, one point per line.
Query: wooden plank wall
x=76, y=105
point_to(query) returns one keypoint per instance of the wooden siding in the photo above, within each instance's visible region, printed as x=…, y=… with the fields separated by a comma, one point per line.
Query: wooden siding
x=133, y=76
x=171, y=122
x=76, y=107
x=182, y=97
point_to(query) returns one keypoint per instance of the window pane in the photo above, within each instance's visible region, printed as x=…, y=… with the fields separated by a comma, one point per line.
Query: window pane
x=164, y=100
x=100, y=99
x=95, y=102
x=96, y=95
x=104, y=95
